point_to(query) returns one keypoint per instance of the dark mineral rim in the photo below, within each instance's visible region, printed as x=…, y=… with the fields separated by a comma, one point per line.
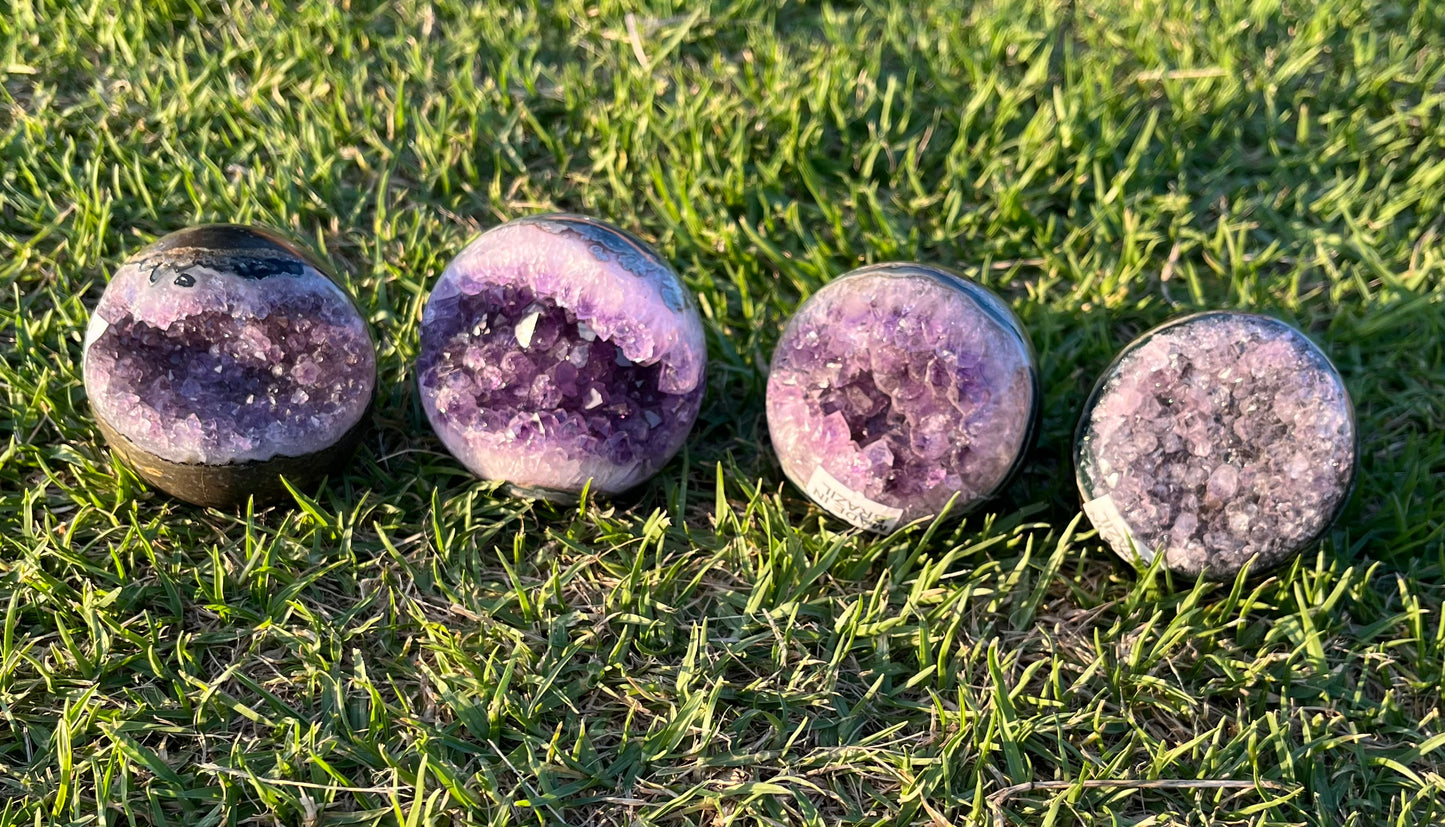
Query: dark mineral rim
x=231, y=484
x=1086, y=485
x=237, y=238
x=995, y=308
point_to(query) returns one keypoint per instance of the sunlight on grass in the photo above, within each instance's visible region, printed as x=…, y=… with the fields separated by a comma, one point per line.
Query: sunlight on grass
x=407, y=645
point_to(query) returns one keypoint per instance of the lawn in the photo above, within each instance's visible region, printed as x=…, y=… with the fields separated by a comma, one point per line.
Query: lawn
x=409, y=645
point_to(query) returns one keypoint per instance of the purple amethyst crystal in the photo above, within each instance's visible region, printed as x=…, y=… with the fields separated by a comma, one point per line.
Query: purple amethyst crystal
x=900, y=387
x=221, y=358
x=1217, y=439
x=558, y=349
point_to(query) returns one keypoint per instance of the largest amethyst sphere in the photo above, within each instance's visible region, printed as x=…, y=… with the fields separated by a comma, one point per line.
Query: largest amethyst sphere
x=1218, y=440
x=558, y=350
x=221, y=359
x=900, y=388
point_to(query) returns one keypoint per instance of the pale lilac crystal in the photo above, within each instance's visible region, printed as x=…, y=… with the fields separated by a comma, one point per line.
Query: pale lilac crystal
x=898, y=388
x=1217, y=440
x=213, y=355
x=557, y=350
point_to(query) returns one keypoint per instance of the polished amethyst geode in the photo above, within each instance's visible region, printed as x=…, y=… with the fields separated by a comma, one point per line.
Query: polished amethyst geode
x=221, y=358
x=558, y=349
x=1217, y=439
x=898, y=388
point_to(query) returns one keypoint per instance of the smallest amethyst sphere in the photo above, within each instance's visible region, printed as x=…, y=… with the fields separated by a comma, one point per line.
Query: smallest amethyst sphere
x=558, y=351
x=1217, y=440
x=222, y=359
x=899, y=388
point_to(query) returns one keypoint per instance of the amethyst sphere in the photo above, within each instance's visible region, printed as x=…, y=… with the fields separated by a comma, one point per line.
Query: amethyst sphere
x=558, y=350
x=898, y=388
x=222, y=358
x=1218, y=440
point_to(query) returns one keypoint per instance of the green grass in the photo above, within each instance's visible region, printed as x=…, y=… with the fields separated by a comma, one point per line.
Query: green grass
x=411, y=647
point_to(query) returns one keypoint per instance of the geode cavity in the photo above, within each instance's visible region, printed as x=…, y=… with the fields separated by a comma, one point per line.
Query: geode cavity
x=222, y=358
x=558, y=349
x=898, y=388
x=1218, y=440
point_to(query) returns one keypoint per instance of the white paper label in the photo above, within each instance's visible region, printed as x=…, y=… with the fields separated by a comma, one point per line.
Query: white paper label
x=1112, y=529
x=843, y=502
x=94, y=330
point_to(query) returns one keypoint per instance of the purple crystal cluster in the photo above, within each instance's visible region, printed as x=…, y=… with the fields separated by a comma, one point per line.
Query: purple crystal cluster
x=221, y=345
x=1215, y=440
x=897, y=388
x=557, y=350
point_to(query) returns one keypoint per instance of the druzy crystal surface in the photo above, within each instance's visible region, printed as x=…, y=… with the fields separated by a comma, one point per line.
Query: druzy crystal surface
x=1215, y=440
x=898, y=388
x=557, y=350
x=223, y=344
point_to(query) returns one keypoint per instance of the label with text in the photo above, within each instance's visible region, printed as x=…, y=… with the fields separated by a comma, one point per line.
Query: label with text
x=827, y=491
x=1112, y=529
